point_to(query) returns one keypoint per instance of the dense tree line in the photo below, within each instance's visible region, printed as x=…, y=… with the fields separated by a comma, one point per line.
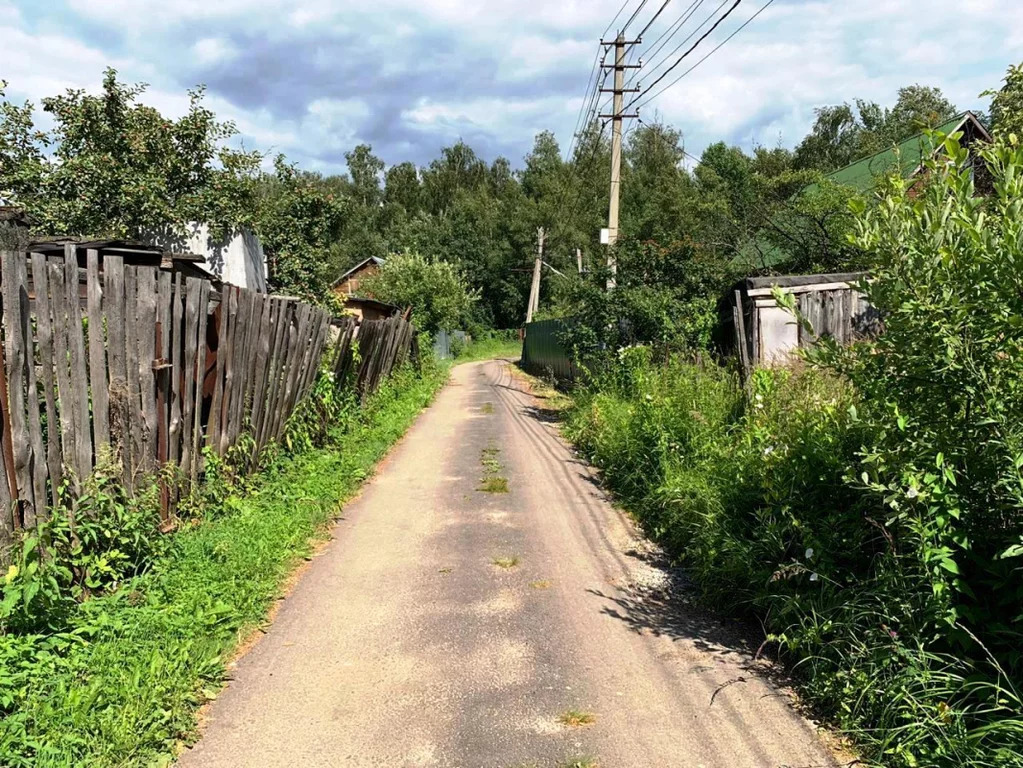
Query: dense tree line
x=113, y=166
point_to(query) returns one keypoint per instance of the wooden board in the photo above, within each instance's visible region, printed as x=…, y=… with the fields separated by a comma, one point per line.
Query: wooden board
x=98, y=381
x=79, y=370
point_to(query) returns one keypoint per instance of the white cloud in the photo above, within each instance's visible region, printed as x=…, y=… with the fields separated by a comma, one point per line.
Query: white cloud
x=407, y=75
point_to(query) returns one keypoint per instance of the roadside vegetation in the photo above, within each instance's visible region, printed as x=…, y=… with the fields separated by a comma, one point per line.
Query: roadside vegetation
x=112, y=640
x=865, y=505
x=488, y=345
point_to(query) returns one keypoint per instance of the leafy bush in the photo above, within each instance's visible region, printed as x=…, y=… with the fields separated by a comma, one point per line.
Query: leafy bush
x=438, y=294
x=119, y=683
x=867, y=508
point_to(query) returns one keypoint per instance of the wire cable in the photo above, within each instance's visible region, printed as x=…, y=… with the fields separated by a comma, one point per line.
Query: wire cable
x=708, y=55
x=691, y=48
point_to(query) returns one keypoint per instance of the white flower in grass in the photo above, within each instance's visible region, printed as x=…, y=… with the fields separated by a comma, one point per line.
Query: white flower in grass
x=912, y=493
x=769, y=450
x=809, y=552
x=814, y=577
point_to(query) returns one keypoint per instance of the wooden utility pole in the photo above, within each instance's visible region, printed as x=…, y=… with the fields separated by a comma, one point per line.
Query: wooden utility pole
x=534, y=290
x=616, y=117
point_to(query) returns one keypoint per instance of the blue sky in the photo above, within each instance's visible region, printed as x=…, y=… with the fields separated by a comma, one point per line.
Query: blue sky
x=313, y=79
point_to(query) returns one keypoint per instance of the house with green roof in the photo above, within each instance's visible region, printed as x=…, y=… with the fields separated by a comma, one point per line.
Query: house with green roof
x=863, y=176
x=757, y=330
x=907, y=157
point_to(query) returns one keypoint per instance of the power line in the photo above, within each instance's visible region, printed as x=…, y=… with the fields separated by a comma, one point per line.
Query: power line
x=583, y=105
x=654, y=66
x=632, y=18
x=615, y=18
x=669, y=33
x=709, y=54
x=650, y=23
x=691, y=48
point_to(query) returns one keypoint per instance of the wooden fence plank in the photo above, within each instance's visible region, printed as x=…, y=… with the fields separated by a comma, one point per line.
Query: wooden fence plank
x=242, y=359
x=14, y=340
x=37, y=511
x=230, y=303
x=117, y=401
x=188, y=383
x=79, y=370
x=131, y=366
x=223, y=329
x=261, y=368
x=44, y=325
x=97, y=354
x=200, y=375
x=61, y=355
x=177, y=343
x=282, y=319
x=8, y=482
x=162, y=380
x=146, y=336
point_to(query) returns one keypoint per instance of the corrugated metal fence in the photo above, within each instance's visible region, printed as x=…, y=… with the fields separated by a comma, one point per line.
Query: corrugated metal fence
x=543, y=353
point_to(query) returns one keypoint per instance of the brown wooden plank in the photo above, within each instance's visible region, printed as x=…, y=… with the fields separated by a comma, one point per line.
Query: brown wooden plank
x=16, y=357
x=36, y=513
x=97, y=354
x=117, y=400
x=260, y=368
x=44, y=326
x=227, y=351
x=146, y=336
x=61, y=356
x=216, y=406
x=176, y=371
x=8, y=483
x=202, y=351
x=79, y=370
x=131, y=365
x=282, y=319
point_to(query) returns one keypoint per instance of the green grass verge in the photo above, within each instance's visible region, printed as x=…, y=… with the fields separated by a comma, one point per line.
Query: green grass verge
x=123, y=685
x=499, y=344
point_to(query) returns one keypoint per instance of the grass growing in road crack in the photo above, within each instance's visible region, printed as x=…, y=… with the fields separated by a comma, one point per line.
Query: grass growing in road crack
x=540, y=584
x=120, y=684
x=579, y=762
x=576, y=718
x=492, y=481
x=505, y=562
x=487, y=408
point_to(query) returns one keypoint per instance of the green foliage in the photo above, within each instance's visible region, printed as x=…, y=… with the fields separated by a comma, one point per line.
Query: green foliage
x=665, y=295
x=440, y=297
x=112, y=166
x=298, y=221
x=843, y=133
x=489, y=345
x=120, y=682
x=1007, y=104
x=869, y=514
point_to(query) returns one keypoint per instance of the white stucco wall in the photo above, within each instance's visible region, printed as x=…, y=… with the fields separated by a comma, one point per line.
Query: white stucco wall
x=237, y=259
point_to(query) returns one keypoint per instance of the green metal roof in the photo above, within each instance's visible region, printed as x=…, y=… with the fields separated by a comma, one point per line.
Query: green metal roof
x=905, y=157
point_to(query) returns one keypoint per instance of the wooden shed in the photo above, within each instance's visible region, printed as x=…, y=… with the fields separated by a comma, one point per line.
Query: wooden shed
x=763, y=333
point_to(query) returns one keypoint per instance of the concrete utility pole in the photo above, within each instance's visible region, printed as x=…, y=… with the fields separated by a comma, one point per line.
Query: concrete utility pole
x=534, y=290
x=616, y=116
x=579, y=259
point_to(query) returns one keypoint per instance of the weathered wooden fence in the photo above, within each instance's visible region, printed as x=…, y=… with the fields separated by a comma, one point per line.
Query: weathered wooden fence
x=99, y=355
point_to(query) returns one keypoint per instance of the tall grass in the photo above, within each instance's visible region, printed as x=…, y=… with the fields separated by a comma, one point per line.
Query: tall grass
x=120, y=682
x=755, y=490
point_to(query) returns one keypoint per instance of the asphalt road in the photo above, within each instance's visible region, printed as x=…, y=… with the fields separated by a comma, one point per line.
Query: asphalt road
x=448, y=626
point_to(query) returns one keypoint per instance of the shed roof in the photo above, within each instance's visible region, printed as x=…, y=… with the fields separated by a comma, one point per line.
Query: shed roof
x=907, y=157
x=374, y=259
